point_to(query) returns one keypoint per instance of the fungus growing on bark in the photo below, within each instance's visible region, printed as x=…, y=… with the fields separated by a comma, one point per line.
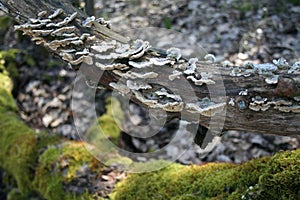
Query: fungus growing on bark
x=123, y=89
x=210, y=58
x=88, y=22
x=205, y=107
x=138, y=49
x=140, y=65
x=175, y=74
x=55, y=14
x=243, y=92
x=160, y=61
x=191, y=66
x=208, y=110
x=42, y=14
x=231, y=102
x=113, y=66
x=104, y=46
x=262, y=68
x=205, y=79
x=134, y=85
x=164, y=92
x=295, y=68
x=294, y=108
x=174, y=53
x=281, y=63
x=167, y=106
x=259, y=104
x=136, y=75
x=63, y=30
x=273, y=79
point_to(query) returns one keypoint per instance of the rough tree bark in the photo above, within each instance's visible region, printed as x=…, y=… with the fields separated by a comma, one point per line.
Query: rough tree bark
x=261, y=98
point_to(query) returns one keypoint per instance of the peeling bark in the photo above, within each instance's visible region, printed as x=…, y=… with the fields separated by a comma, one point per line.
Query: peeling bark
x=260, y=98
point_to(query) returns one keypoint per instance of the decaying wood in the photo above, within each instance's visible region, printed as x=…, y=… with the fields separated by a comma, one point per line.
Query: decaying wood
x=263, y=98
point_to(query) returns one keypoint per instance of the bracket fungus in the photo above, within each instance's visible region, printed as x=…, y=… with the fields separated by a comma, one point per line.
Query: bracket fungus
x=164, y=92
x=203, y=80
x=294, y=108
x=231, y=102
x=273, y=79
x=175, y=75
x=55, y=14
x=174, y=53
x=122, y=88
x=281, y=63
x=210, y=58
x=160, y=61
x=208, y=110
x=262, y=68
x=153, y=103
x=243, y=92
x=258, y=103
x=88, y=22
x=135, y=75
x=59, y=35
x=295, y=68
x=140, y=65
x=191, y=66
x=284, y=105
x=2, y=7
x=89, y=40
x=112, y=66
x=134, y=85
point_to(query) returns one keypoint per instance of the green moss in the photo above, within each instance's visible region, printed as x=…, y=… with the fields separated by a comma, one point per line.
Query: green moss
x=168, y=22
x=19, y=145
x=6, y=100
x=15, y=194
x=53, y=63
x=282, y=177
x=17, y=141
x=38, y=162
x=5, y=22
x=277, y=177
x=244, y=6
x=5, y=83
x=30, y=62
x=119, y=161
x=108, y=124
x=59, y=165
x=8, y=64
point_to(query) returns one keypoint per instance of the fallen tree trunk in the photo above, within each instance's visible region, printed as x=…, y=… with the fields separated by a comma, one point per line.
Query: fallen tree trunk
x=262, y=98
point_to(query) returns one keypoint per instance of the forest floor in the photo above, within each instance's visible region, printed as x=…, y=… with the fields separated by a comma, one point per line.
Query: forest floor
x=234, y=31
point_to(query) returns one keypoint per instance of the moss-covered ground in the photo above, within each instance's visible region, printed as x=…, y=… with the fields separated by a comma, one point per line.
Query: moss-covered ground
x=35, y=162
x=277, y=177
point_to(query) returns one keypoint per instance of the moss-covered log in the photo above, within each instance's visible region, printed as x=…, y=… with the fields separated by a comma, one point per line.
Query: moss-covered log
x=266, y=178
x=256, y=98
x=39, y=163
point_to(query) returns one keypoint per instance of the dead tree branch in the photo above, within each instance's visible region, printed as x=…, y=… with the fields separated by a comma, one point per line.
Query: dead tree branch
x=261, y=98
